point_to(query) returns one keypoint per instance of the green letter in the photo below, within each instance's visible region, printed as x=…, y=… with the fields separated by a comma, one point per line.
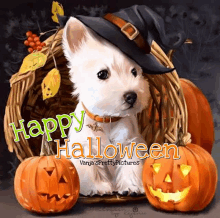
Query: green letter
x=59, y=118
x=79, y=121
x=16, y=131
x=37, y=126
x=48, y=131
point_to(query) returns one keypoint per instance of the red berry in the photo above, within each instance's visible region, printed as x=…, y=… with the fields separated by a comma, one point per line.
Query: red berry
x=26, y=42
x=30, y=50
x=34, y=35
x=28, y=33
x=43, y=44
x=30, y=39
x=32, y=44
x=39, y=48
x=36, y=39
x=35, y=48
x=38, y=43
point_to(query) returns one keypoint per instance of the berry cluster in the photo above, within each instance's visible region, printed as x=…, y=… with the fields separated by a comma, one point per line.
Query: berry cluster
x=34, y=42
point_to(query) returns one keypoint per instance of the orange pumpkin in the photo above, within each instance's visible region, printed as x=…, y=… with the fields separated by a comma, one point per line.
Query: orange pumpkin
x=200, y=120
x=46, y=185
x=185, y=184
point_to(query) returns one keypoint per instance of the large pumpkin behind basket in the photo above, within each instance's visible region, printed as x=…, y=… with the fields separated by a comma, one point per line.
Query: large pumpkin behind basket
x=46, y=184
x=185, y=184
x=200, y=121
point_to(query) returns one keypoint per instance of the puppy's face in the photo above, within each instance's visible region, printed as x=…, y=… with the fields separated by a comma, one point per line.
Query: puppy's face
x=107, y=81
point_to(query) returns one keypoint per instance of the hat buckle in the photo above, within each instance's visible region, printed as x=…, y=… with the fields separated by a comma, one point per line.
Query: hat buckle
x=129, y=25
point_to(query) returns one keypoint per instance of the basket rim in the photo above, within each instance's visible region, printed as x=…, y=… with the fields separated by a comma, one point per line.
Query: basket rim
x=24, y=82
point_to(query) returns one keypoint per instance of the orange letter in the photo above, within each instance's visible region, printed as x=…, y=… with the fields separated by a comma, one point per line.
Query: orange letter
x=126, y=150
x=141, y=149
x=58, y=156
x=158, y=148
x=168, y=147
x=99, y=148
x=77, y=149
x=90, y=148
x=105, y=151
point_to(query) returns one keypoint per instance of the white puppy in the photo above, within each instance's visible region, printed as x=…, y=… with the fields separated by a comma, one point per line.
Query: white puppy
x=108, y=83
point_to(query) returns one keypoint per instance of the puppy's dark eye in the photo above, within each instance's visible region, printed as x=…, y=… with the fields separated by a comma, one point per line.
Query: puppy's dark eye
x=103, y=74
x=134, y=72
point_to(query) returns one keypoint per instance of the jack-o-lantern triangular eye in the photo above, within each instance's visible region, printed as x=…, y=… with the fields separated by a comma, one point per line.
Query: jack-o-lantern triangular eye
x=63, y=179
x=185, y=169
x=156, y=167
x=49, y=170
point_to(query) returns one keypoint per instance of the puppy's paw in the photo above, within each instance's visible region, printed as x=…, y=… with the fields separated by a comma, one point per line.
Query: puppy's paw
x=98, y=188
x=104, y=188
x=131, y=190
x=129, y=180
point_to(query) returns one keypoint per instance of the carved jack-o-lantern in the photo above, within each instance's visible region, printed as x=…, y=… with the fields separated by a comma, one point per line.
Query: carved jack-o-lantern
x=46, y=184
x=185, y=184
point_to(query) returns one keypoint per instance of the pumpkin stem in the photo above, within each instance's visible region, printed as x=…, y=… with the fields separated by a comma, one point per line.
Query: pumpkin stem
x=46, y=149
x=180, y=141
x=183, y=139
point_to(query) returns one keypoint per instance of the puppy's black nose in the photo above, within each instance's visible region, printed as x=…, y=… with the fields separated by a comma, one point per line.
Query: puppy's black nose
x=130, y=97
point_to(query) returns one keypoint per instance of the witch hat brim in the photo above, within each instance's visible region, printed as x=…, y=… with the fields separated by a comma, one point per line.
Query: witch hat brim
x=149, y=25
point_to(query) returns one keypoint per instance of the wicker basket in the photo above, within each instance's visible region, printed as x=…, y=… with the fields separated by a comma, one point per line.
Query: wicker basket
x=165, y=121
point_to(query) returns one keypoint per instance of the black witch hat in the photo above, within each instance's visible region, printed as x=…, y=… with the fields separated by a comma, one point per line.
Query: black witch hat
x=132, y=30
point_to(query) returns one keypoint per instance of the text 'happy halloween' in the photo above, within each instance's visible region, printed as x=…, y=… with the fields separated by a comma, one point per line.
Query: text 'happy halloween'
x=140, y=150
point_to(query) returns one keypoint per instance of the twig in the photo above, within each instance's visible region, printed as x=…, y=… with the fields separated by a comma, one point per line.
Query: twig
x=41, y=34
x=55, y=63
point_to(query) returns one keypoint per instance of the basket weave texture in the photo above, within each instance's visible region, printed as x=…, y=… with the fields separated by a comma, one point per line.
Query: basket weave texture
x=164, y=121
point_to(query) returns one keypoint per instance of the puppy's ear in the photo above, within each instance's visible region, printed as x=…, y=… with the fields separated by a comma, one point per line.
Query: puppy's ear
x=74, y=34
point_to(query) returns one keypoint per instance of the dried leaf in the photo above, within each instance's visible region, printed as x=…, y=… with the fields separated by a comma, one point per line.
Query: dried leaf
x=32, y=62
x=51, y=84
x=57, y=8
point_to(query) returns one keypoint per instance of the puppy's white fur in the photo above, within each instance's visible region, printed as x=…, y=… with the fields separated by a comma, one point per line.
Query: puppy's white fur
x=87, y=54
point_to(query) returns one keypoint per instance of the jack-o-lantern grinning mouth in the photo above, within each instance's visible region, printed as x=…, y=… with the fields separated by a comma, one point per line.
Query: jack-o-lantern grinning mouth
x=50, y=197
x=165, y=197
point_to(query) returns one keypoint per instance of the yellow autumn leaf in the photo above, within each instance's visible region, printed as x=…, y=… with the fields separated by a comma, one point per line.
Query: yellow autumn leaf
x=32, y=62
x=57, y=8
x=51, y=84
